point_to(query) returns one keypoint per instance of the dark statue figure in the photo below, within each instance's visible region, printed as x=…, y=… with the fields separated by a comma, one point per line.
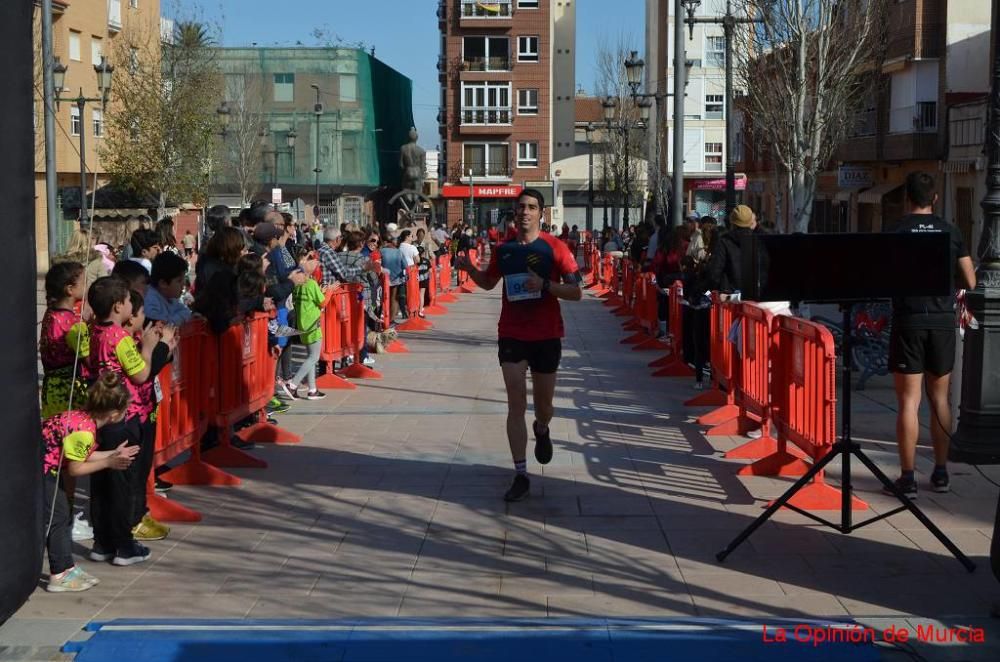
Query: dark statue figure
x=413, y=163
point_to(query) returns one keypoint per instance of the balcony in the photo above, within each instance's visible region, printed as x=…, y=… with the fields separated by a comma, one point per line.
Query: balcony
x=493, y=171
x=919, y=118
x=442, y=11
x=484, y=13
x=865, y=124
x=496, y=63
x=486, y=116
x=114, y=15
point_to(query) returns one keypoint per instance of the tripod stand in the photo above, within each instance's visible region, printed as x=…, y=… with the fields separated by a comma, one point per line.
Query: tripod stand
x=845, y=447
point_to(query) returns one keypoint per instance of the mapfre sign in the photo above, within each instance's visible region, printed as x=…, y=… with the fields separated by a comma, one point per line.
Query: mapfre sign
x=481, y=191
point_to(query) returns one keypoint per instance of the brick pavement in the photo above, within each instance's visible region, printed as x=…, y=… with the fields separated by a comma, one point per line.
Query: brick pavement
x=391, y=507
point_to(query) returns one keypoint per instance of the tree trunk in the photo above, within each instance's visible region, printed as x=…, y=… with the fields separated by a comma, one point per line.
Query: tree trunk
x=801, y=194
x=161, y=209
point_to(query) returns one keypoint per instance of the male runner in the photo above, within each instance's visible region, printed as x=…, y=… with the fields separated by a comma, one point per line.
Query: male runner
x=537, y=270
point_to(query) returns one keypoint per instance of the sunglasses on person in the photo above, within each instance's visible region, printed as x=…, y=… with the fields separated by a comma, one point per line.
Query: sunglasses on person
x=373, y=241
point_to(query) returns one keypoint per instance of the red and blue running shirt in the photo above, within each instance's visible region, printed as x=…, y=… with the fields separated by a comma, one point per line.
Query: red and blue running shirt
x=530, y=316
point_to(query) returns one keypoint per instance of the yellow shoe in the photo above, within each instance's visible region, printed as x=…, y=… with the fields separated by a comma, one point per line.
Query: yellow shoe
x=159, y=526
x=149, y=529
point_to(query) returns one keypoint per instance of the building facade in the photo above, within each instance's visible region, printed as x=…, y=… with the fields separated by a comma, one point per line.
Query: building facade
x=704, y=104
x=365, y=112
x=507, y=75
x=83, y=31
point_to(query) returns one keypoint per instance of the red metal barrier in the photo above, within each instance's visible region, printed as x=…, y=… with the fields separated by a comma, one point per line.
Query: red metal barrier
x=444, y=280
x=246, y=382
x=803, y=391
x=413, y=322
x=336, y=343
x=357, y=332
x=627, y=279
x=646, y=310
x=397, y=346
x=721, y=358
x=432, y=284
x=468, y=285
x=673, y=365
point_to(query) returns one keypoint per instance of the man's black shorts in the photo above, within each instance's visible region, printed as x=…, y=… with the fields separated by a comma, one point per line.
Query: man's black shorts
x=542, y=355
x=916, y=351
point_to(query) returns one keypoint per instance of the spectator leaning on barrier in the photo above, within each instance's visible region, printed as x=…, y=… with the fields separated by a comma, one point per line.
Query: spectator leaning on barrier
x=394, y=263
x=725, y=270
x=922, y=343
x=537, y=270
x=163, y=302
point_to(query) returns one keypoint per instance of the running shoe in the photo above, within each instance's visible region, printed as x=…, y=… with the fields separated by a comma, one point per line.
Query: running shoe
x=162, y=485
x=276, y=406
x=543, y=444
x=73, y=580
x=369, y=362
x=149, y=529
x=81, y=530
x=315, y=395
x=908, y=486
x=518, y=489
x=940, y=481
x=98, y=553
x=291, y=390
x=131, y=554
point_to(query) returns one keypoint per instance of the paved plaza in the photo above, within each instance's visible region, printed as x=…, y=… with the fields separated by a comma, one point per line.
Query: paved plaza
x=391, y=507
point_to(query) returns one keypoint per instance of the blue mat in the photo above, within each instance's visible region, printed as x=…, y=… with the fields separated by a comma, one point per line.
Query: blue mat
x=443, y=640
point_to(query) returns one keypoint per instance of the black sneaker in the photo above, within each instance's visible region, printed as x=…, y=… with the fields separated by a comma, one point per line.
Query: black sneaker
x=315, y=395
x=940, y=481
x=163, y=485
x=907, y=486
x=543, y=444
x=99, y=553
x=236, y=442
x=518, y=489
x=131, y=554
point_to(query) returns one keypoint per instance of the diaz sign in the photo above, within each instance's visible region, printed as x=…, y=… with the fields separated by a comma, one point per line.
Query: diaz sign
x=854, y=177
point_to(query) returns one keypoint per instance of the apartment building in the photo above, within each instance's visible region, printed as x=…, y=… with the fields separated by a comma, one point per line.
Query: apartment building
x=704, y=104
x=83, y=31
x=507, y=75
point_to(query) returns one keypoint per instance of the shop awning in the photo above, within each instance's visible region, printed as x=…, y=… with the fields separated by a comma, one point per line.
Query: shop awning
x=874, y=195
x=961, y=166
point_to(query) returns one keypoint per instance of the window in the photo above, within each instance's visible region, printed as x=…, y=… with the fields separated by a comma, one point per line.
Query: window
x=485, y=103
x=713, y=107
x=284, y=86
x=713, y=157
x=98, y=119
x=74, y=120
x=479, y=9
x=527, y=49
x=715, y=52
x=133, y=60
x=527, y=4
x=74, y=46
x=486, y=53
x=485, y=160
x=527, y=102
x=134, y=4
x=527, y=155
x=96, y=50
x=348, y=88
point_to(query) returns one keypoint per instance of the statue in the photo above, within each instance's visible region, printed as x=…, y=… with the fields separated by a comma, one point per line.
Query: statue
x=413, y=163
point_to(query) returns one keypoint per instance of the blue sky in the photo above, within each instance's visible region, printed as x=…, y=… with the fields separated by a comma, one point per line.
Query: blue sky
x=389, y=25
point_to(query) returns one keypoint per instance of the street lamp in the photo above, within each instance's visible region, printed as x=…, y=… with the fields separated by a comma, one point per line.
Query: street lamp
x=104, y=72
x=318, y=112
x=624, y=126
x=633, y=71
x=589, y=129
x=224, y=113
x=289, y=143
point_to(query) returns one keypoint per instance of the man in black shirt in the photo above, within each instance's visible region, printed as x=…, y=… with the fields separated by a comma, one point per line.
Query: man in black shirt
x=922, y=343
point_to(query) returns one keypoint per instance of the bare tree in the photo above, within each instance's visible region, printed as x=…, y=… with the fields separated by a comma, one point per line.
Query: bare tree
x=161, y=118
x=624, y=144
x=806, y=68
x=241, y=146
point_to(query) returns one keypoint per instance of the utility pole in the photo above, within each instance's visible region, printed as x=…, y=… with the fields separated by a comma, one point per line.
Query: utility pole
x=49, y=94
x=680, y=60
x=318, y=110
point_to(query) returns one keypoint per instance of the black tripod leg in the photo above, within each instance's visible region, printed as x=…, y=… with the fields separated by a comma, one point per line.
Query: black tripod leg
x=778, y=503
x=956, y=552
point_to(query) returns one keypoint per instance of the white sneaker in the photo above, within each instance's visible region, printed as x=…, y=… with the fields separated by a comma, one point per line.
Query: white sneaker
x=81, y=529
x=755, y=434
x=369, y=362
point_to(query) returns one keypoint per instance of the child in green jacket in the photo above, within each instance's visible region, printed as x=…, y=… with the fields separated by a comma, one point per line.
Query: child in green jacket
x=309, y=300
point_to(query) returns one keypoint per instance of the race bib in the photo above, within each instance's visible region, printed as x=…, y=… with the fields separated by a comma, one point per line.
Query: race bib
x=515, y=287
x=157, y=390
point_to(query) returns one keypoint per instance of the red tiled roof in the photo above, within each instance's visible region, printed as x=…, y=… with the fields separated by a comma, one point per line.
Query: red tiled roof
x=588, y=109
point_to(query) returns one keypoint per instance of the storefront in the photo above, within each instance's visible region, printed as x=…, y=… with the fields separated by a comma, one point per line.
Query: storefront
x=707, y=197
x=479, y=205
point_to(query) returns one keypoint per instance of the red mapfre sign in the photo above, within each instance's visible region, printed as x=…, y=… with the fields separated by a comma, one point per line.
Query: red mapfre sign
x=481, y=191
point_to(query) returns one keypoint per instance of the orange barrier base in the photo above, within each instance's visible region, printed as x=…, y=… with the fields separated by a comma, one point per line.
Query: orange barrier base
x=663, y=361
x=266, y=433
x=621, y=311
x=755, y=449
x=610, y=297
x=653, y=344
x=360, y=371
x=230, y=457
x=447, y=297
x=720, y=415
x=397, y=347
x=676, y=369
x=820, y=496
x=635, y=338
x=468, y=287
x=332, y=380
x=781, y=463
x=196, y=472
x=733, y=426
x=713, y=398
x=168, y=510
x=435, y=310
x=631, y=325
x=414, y=324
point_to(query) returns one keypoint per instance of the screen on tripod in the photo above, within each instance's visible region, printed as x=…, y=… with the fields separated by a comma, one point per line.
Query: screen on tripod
x=847, y=267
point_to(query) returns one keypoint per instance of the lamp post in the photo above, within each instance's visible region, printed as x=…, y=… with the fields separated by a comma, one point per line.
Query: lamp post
x=590, y=177
x=318, y=111
x=977, y=439
x=104, y=72
x=289, y=143
x=729, y=23
x=624, y=126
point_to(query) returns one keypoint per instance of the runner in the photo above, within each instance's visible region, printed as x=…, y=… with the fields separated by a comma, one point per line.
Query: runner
x=537, y=270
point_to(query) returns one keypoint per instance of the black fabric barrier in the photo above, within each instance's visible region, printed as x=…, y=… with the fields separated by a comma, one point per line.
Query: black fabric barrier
x=20, y=455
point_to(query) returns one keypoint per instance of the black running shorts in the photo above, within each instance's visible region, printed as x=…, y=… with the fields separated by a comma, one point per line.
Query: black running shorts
x=916, y=351
x=542, y=355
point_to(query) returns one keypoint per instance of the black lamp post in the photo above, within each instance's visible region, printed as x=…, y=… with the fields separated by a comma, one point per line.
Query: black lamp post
x=104, y=72
x=729, y=22
x=977, y=440
x=318, y=111
x=289, y=143
x=590, y=177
